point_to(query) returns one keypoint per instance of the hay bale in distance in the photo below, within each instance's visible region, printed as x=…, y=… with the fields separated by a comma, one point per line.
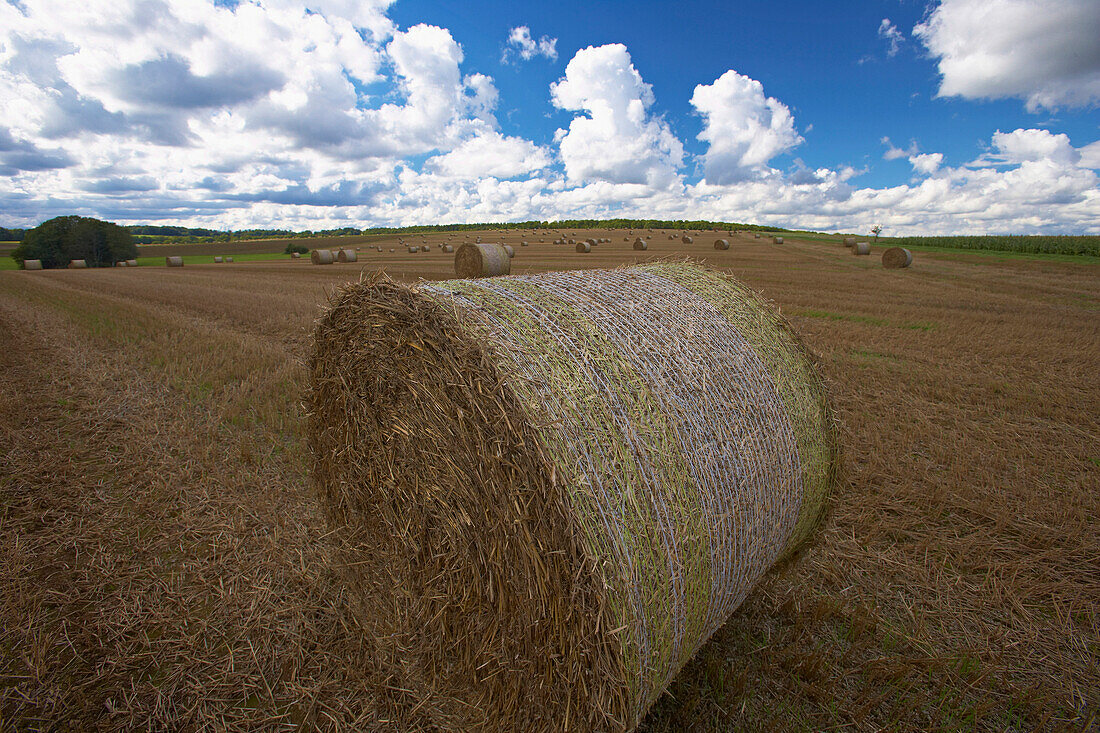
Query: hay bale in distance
x=756, y=235
x=77, y=264
x=777, y=240
x=641, y=244
x=131, y=263
x=228, y=259
x=572, y=534
x=482, y=260
x=173, y=261
x=347, y=255
x=120, y=263
x=686, y=239
x=32, y=264
x=862, y=248
x=413, y=249
x=217, y=259
x=321, y=257
x=296, y=255
x=426, y=248
x=896, y=258
x=591, y=242
x=584, y=247
x=849, y=241
x=721, y=244
x=448, y=248
x=523, y=244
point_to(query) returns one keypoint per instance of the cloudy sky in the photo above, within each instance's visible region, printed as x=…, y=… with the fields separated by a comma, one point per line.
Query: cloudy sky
x=951, y=116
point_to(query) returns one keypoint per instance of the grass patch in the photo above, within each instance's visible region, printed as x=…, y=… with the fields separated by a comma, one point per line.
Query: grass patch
x=833, y=316
x=209, y=259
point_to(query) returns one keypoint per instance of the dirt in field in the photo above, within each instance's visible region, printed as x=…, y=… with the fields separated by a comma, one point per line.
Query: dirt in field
x=164, y=564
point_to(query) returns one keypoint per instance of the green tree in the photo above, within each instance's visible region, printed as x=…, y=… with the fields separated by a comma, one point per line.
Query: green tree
x=65, y=238
x=291, y=248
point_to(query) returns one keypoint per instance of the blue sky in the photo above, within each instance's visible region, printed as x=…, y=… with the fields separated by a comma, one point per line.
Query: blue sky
x=947, y=116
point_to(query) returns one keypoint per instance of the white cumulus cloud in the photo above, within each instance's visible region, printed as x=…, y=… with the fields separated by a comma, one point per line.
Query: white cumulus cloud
x=522, y=44
x=619, y=142
x=1046, y=52
x=892, y=35
x=744, y=128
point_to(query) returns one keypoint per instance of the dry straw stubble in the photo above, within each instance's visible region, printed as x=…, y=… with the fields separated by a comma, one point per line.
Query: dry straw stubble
x=559, y=486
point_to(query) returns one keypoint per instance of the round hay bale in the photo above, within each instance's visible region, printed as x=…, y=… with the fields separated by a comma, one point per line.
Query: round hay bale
x=897, y=258
x=672, y=237
x=347, y=255
x=686, y=239
x=173, y=262
x=849, y=241
x=777, y=240
x=296, y=255
x=131, y=263
x=544, y=535
x=120, y=263
x=32, y=264
x=217, y=259
x=426, y=248
x=756, y=235
x=391, y=249
x=572, y=241
x=523, y=244
x=413, y=249
x=321, y=257
x=482, y=260
x=508, y=248
x=447, y=248
x=721, y=244
x=862, y=248
x=641, y=244
x=584, y=247
x=228, y=259
x=591, y=242
x=77, y=264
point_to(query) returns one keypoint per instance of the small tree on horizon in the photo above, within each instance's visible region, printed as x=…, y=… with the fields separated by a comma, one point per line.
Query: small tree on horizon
x=58, y=241
x=876, y=230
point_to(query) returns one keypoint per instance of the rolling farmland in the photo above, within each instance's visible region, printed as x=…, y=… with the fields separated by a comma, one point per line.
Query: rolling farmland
x=166, y=564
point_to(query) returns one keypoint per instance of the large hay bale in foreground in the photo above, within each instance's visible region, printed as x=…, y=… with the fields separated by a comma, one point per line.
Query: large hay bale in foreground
x=546, y=509
x=897, y=258
x=721, y=244
x=482, y=260
x=173, y=261
x=862, y=248
x=321, y=257
x=347, y=255
x=78, y=264
x=32, y=264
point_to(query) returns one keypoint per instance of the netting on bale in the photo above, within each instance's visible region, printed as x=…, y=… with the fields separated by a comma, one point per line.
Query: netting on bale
x=558, y=486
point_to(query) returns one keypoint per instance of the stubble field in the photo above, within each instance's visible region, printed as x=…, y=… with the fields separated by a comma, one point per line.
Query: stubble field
x=165, y=565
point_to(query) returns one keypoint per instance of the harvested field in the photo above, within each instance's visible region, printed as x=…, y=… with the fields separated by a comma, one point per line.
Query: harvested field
x=164, y=563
